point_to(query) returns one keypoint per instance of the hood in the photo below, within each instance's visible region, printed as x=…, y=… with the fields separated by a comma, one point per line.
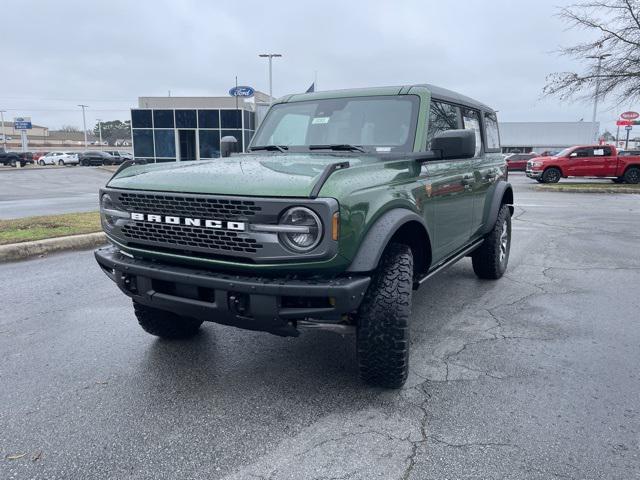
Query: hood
x=288, y=175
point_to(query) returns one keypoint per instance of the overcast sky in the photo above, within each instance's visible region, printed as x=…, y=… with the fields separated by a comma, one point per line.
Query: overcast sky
x=57, y=54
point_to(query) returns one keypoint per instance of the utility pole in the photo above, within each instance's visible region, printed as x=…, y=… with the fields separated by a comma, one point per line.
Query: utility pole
x=100, y=131
x=270, y=56
x=84, y=124
x=4, y=135
x=597, y=93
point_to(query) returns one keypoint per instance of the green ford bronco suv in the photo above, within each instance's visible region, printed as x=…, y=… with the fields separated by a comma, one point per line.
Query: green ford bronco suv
x=346, y=202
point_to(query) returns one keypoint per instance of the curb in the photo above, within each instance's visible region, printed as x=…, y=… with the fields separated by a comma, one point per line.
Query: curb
x=588, y=190
x=20, y=251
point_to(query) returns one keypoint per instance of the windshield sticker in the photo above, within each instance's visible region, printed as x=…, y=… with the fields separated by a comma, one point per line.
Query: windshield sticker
x=383, y=149
x=320, y=120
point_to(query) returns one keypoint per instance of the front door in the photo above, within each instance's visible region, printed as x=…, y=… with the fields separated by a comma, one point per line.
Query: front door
x=187, y=145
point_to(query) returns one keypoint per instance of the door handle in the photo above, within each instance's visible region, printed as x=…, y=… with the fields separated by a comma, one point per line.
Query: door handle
x=467, y=180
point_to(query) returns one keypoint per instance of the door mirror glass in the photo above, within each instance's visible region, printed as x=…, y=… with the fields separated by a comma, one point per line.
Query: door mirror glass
x=455, y=143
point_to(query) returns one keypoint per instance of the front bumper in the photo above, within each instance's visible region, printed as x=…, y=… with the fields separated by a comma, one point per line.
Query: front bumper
x=255, y=303
x=533, y=174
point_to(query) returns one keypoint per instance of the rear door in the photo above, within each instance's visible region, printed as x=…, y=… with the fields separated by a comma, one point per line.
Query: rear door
x=605, y=163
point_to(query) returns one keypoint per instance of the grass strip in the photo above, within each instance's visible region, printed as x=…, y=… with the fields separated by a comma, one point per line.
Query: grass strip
x=49, y=226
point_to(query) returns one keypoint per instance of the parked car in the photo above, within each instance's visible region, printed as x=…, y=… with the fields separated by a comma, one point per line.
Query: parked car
x=59, y=158
x=119, y=154
x=586, y=161
x=324, y=223
x=97, y=158
x=15, y=158
x=518, y=161
x=548, y=153
x=37, y=155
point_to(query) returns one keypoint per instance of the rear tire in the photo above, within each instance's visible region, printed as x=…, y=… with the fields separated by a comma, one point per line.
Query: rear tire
x=382, y=338
x=632, y=175
x=551, y=175
x=41, y=163
x=491, y=258
x=164, y=324
x=61, y=163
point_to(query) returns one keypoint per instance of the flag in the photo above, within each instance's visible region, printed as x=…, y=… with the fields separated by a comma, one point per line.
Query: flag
x=312, y=88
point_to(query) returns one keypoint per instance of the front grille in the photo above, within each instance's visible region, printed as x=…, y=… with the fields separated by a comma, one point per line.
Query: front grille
x=204, y=207
x=182, y=237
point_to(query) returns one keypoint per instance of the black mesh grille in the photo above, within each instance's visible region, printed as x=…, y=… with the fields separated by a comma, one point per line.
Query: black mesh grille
x=218, y=208
x=182, y=237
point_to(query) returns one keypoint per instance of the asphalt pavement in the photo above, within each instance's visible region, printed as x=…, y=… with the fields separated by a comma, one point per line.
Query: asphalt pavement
x=26, y=192
x=533, y=376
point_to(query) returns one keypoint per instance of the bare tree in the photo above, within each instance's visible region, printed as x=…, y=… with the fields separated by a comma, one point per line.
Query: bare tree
x=69, y=128
x=615, y=25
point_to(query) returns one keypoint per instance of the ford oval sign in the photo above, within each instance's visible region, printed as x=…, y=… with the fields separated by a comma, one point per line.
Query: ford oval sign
x=242, y=92
x=630, y=115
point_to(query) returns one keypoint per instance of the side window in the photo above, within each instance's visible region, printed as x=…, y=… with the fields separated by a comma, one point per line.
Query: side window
x=442, y=117
x=582, y=152
x=471, y=121
x=492, y=133
x=598, y=152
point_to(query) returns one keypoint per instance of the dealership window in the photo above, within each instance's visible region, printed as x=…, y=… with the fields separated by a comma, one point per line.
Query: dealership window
x=442, y=117
x=492, y=132
x=209, y=118
x=141, y=119
x=209, y=143
x=186, y=119
x=163, y=119
x=471, y=121
x=249, y=120
x=248, y=135
x=143, y=142
x=231, y=118
x=165, y=141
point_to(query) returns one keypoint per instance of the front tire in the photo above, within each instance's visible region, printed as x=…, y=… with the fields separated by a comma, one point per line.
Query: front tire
x=551, y=175
x=61, y=163
x=632, y=175
x=491, y=258
x=41, y=163
x=382, y=334
x=164, y=324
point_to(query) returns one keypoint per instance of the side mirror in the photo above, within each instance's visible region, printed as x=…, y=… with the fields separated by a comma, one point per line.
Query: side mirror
x=228, y=145
x=455, y=144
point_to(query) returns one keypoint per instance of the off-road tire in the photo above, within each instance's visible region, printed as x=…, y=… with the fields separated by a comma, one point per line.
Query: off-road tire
x=165, y=324
x=632, y=175
x=382, y=334
x=491, y=258
x=551, y=175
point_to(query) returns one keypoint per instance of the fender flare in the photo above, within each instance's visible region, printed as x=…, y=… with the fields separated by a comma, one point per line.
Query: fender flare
x=378, y=237
x=501, y=189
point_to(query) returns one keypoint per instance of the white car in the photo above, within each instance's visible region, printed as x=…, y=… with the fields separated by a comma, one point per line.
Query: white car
x=59, y=158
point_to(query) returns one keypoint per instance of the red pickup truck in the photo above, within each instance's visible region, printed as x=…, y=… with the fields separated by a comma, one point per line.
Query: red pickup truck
x=585, y=161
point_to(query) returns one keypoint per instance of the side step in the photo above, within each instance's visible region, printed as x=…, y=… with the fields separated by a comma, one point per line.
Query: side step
x=448, y=262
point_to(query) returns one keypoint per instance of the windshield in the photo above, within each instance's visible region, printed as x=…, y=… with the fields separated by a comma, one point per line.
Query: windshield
x=564, y=153
x=381, y=123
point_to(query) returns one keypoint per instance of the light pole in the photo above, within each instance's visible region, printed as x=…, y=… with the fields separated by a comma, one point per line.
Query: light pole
x=270, y=56
x=595, y=99
x=84, y=124
x=4, y=135
x=100, y=131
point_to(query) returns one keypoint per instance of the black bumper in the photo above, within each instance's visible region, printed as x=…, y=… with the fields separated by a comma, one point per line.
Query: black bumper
x=255, y=303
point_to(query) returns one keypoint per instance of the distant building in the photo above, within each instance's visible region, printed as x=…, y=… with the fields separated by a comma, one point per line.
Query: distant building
x=538, y=137
x=168, y=129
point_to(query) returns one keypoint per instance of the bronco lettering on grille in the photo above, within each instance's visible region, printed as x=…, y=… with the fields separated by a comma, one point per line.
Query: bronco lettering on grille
x=189, y=222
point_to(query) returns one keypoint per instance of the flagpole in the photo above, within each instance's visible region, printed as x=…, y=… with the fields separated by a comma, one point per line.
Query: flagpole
x=315, y=80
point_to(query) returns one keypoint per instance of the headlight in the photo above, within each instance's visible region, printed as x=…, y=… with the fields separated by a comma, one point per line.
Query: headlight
x=109, y=212
x=305, y=232
x=537, y=164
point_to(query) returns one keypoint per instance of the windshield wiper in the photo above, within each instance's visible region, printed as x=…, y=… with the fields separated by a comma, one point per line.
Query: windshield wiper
x=280, y=148
x=338, y=147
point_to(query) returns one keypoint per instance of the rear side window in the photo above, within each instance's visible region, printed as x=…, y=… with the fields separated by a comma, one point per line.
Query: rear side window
x=442, y=117
x=492, y=133
x=602, y=152
x=471, y=121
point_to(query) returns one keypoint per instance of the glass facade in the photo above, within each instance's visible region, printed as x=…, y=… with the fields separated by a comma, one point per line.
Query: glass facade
x=168, y=135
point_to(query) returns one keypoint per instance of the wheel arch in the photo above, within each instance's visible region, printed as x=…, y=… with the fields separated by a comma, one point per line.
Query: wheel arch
x=502, y=195
x=398, y=225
